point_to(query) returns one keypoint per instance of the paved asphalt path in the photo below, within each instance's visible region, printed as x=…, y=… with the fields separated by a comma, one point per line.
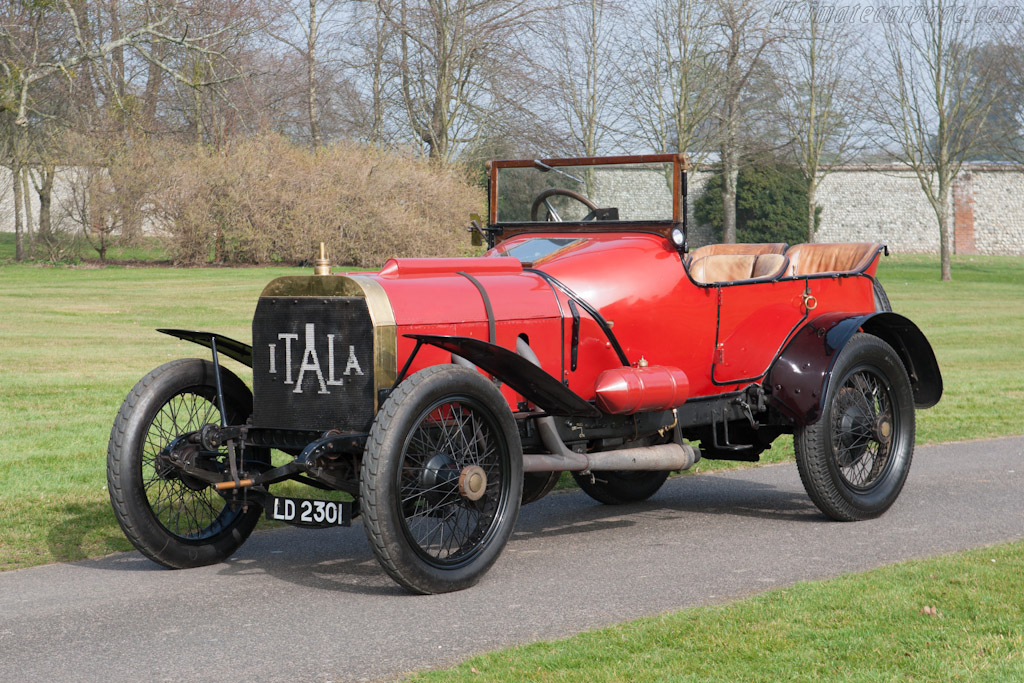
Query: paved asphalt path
x=312, y=605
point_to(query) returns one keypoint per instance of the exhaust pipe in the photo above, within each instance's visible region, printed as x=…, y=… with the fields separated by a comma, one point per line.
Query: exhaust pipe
x=671, y=456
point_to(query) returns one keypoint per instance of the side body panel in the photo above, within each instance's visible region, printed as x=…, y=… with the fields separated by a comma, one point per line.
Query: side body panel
x=723, y=336
x=757, y=319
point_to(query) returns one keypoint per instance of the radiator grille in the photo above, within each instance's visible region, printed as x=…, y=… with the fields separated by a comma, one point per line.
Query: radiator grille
x=312, y=363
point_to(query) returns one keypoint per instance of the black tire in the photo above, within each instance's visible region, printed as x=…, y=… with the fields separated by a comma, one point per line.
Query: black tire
x=621, y=487
x=854, y=461
x=426, y=530
x=880, y=297
x=536, y=485
x=172, y=519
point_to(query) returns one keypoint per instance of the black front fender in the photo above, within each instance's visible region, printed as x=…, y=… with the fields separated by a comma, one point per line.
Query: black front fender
x=798, y=379
x=232, y=348
x=526, y=378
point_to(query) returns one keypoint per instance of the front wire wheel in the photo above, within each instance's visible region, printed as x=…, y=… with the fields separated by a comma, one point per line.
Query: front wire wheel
x=854, y=461
x=174, y=519
x=441, y=479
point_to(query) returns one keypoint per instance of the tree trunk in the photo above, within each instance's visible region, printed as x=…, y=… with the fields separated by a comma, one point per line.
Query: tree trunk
x=154, y=82
x=45, y=191
x=19, y=233
x=311, y=101
x=730, y=174
x=28, y=202
x=812, y=193
x=945, y=234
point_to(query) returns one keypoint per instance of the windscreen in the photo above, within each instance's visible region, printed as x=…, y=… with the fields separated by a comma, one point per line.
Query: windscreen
x=536, y=249
x=607, y=193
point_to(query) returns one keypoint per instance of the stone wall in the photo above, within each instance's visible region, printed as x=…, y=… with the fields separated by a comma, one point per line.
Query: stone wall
x=862, y=204
x=638, y=192
x=886, y=204
x=877, y=205
x=59, y=203
x=859, y=203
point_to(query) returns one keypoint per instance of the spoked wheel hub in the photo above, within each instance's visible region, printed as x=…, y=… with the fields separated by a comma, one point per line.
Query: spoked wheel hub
x=863, y=419
x=855, y=426
x=440, y=479
x=472, y=482
x=165, y=469
x=168, y=467
x=444, y=482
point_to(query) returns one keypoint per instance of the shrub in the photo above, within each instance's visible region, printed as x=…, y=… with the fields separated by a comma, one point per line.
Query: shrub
x=771, y=203
x=263, y=200
x=109, y=188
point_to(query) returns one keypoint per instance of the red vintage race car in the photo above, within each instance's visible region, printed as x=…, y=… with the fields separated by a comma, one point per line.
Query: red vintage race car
x=436, y=396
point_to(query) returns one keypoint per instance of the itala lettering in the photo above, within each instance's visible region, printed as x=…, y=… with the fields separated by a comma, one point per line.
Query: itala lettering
x=310, y=361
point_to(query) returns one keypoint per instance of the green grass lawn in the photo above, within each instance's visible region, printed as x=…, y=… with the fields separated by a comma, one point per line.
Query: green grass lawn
x=865, y=627
x=149, y=249
x=975, y=325
x=74, y=340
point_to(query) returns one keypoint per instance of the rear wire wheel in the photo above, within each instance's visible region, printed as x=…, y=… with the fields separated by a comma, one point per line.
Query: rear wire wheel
x=441, y=479
x=174, y=519
x=621, y=487
x=536, y=485
x=854, y=460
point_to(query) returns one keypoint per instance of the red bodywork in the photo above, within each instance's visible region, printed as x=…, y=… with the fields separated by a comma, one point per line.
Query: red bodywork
x=722, y=336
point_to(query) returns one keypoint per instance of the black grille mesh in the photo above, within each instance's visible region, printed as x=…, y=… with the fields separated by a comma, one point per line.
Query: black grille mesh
x=304, y=330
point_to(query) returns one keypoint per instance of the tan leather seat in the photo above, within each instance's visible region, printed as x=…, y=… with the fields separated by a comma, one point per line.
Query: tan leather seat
x=769, y=266
x=722, y=268
x=739, y=248
x=842, y=257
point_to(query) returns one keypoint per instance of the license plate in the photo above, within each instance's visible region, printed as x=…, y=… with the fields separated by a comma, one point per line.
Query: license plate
x=306, y=512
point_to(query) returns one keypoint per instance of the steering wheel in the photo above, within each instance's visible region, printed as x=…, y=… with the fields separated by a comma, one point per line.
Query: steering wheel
x=542, y=198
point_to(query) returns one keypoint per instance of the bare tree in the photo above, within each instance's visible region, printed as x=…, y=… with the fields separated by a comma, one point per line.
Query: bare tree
x=817, y=94
x=13, y=156
x=101, y=69
x=317, y=22
x=744, y=34
x=28, y=37
x=443, y=51
x=672, y=79
x=371, y=47
x=937, y=93
x=586, y=72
